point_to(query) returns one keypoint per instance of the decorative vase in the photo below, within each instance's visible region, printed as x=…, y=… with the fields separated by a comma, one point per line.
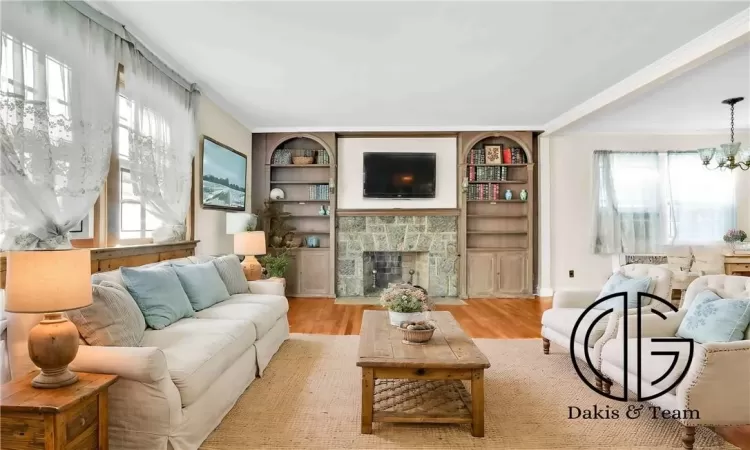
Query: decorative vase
x=397, y=317
x=322, y=211
x=313, y=242
x=524, y=194
x=508, y=194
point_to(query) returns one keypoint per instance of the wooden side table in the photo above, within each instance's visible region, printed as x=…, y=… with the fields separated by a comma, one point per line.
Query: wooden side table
x=74, y=417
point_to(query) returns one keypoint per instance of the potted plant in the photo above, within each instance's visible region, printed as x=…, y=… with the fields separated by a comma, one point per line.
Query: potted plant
x=276, y=263
x=733, y=236
x=404, y=304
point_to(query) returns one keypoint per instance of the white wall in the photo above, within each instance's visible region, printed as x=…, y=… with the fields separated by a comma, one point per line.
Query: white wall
x=570, y=195
x=350, y=159
x=210, y=225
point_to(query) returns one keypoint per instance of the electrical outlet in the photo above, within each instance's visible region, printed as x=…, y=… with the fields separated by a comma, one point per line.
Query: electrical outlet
x=571, y=273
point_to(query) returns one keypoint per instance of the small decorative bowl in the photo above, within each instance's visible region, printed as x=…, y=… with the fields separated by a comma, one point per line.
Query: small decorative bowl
x=302, y=160
x=416, y=336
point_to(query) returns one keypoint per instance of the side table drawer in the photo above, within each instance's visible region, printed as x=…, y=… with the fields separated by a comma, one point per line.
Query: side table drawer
x=737, y=268
x=22, y=431
x=77, y=420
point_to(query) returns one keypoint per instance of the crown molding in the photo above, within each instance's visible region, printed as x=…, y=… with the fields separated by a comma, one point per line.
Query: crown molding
x=397, y=129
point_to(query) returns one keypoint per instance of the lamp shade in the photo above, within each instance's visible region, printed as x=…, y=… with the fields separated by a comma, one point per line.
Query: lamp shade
x=239, y=222
x=250, y=243
x=47, y=281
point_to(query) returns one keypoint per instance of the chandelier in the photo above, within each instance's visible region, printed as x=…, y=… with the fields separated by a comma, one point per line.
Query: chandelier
x=728, y=156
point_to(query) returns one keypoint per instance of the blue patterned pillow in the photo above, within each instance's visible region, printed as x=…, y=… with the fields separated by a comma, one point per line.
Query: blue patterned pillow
x=632, y=286
x=711, y=318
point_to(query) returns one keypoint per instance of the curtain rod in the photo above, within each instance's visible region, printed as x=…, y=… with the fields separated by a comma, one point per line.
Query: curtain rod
x=119, y=30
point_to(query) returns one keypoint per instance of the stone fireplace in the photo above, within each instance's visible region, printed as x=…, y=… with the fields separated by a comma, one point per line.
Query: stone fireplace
x=374, y=251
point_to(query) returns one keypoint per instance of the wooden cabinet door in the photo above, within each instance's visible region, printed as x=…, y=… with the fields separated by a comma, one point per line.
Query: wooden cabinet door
x=292, y=275
x=511, y=273
x=314, y=271
x=481, y=273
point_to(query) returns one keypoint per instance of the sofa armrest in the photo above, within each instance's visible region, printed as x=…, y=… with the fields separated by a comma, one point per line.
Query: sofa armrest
x=652, y=325
x=717, y=384
x=574, y=299
x=266, y=287
x=144, y=364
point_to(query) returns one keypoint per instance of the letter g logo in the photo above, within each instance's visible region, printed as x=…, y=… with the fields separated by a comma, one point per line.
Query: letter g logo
x=626, y=342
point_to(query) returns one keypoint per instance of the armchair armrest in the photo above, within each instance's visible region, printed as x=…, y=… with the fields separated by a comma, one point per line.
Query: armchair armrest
x=144, y=364
x=652, y=325
x=574, y=299
x=717, y=384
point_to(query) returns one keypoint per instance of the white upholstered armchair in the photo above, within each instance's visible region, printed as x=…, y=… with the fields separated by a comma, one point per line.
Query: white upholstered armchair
x=568, y=306
x=716, y=388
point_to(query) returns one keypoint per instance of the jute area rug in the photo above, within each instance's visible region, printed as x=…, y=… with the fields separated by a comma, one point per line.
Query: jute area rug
x=309, y=398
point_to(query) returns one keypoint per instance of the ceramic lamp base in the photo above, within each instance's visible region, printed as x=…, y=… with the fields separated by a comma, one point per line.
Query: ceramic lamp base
x=53, y=344
x=252, y=268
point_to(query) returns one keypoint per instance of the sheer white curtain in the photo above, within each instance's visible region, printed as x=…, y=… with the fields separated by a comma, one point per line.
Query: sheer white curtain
x=162, y=142
x=702, y=202
x=627, y=203
x=57, y=99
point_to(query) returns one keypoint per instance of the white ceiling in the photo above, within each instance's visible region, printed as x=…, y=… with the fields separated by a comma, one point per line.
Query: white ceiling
x=688, y=103
x=411, y=65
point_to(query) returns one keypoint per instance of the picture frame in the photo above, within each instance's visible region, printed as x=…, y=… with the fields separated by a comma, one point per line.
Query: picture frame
x=78, y=228
x=223, y=176
x=493, y=154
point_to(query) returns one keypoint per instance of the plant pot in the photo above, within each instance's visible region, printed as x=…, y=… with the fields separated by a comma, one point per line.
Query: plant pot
x=396, y=317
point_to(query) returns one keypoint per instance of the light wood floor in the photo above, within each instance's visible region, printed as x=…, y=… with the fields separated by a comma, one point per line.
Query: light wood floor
x=480, y=318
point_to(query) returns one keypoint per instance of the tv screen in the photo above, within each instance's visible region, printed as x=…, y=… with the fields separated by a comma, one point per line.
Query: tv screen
x=399, y=175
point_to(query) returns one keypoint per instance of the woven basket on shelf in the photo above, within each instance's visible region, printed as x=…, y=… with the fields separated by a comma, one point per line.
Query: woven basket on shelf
x=416, y=336
x=302, y=160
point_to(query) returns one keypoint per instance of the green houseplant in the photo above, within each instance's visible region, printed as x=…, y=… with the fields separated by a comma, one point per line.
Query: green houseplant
x=276, y=263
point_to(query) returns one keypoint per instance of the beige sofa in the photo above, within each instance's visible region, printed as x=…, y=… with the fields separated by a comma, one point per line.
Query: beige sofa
x=717, y=383
x=568, y=307
x=176, y=387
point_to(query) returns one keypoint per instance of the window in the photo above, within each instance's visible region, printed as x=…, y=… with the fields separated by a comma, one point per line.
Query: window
x=135, y=220
x=38, y=79
x=646, y=200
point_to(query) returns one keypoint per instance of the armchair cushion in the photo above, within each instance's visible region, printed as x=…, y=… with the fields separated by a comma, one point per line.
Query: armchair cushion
x=562, y=320
x=710, y=318
x=632, y=286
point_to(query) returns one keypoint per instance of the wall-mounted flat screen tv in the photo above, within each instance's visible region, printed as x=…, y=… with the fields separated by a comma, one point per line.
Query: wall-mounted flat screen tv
x=399, y=175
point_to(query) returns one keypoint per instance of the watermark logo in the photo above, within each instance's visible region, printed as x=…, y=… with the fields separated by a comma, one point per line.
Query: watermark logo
x=605, y=313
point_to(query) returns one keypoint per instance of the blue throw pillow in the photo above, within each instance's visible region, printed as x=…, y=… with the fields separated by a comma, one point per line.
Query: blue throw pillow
x=710, y=318
x=202, y=284
x=632, y=286
x=158, y=293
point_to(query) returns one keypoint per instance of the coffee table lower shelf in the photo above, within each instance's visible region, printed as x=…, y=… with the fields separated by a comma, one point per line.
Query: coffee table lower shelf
x=418, y=401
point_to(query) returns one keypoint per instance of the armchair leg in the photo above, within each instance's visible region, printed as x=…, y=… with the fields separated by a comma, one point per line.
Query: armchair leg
x=688, y=437
x=598, y=383
x=606, y=385
x=545, y=346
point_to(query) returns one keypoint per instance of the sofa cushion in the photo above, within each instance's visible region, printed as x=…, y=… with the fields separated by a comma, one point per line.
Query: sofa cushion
x=710, y=318
x=199, y=350
x=202, y=284
x=653, y=367
x=158, y=293
x=631, y=286
x=262, y=310
x=113, y=318
x=562, y=320
x=231, y=272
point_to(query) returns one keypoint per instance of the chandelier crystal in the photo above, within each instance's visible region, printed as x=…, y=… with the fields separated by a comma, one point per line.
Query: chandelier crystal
x=727, y=156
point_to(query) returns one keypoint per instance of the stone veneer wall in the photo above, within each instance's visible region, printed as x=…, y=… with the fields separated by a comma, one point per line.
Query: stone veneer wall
x=436, y=235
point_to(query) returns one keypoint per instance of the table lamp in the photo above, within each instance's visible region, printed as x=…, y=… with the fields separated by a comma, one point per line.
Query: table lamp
x=49, y=282
x=250, y=244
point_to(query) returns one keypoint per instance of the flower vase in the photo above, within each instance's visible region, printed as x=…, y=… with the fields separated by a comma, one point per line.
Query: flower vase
x=397, y=317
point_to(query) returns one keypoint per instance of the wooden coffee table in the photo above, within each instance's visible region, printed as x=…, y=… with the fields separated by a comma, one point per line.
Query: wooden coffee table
x=420, y=383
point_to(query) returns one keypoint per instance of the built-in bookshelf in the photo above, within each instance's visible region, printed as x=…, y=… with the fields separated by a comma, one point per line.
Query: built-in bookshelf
x=303, y=168
x=497, y=215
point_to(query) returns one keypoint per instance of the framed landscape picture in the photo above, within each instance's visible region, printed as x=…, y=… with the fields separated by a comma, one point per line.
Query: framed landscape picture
x=223, y=176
